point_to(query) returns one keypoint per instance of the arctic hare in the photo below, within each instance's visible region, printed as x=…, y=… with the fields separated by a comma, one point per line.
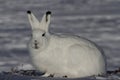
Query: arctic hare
x=63, y=55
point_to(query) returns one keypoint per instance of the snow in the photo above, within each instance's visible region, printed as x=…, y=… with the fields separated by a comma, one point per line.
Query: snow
x=21, y=77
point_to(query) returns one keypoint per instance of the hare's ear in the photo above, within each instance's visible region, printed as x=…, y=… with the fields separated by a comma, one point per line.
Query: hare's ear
x=44, y=24
x=33, y=20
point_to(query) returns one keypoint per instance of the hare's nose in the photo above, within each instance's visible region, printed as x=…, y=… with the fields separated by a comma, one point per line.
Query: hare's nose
x=35, y=41
x=36, y=44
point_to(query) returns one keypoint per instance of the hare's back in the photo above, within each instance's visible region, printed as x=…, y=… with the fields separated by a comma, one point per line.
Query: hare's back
x=66, y=40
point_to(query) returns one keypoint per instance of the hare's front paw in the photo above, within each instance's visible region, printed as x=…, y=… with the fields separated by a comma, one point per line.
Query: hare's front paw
x=45, y=75
x=48, y=75
x=51, y=75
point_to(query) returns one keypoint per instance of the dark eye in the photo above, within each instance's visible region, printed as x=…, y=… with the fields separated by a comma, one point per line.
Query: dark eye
x=43, y=34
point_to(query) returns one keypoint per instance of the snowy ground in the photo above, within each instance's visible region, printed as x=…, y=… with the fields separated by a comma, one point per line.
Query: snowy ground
x=97, y=20
x=21, y=77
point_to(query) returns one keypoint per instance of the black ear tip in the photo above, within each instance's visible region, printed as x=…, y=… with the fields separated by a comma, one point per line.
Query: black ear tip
x=29, y=12
x=48, y=12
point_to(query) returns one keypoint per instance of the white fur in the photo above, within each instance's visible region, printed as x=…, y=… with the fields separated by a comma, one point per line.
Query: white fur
x=63, y=55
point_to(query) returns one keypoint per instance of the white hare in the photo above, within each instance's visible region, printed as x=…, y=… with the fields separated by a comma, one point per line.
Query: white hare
x=63, y=55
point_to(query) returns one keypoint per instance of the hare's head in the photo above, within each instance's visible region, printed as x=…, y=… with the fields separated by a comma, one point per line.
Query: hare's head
x=40, y=32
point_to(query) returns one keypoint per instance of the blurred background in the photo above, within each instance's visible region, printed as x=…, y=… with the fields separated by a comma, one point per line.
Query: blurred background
x=96, y=20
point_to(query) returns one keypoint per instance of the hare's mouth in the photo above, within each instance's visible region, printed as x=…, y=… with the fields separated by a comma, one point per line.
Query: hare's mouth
x=36, y=45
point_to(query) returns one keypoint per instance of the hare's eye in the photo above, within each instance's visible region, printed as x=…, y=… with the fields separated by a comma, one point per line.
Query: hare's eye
x=43, y=34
